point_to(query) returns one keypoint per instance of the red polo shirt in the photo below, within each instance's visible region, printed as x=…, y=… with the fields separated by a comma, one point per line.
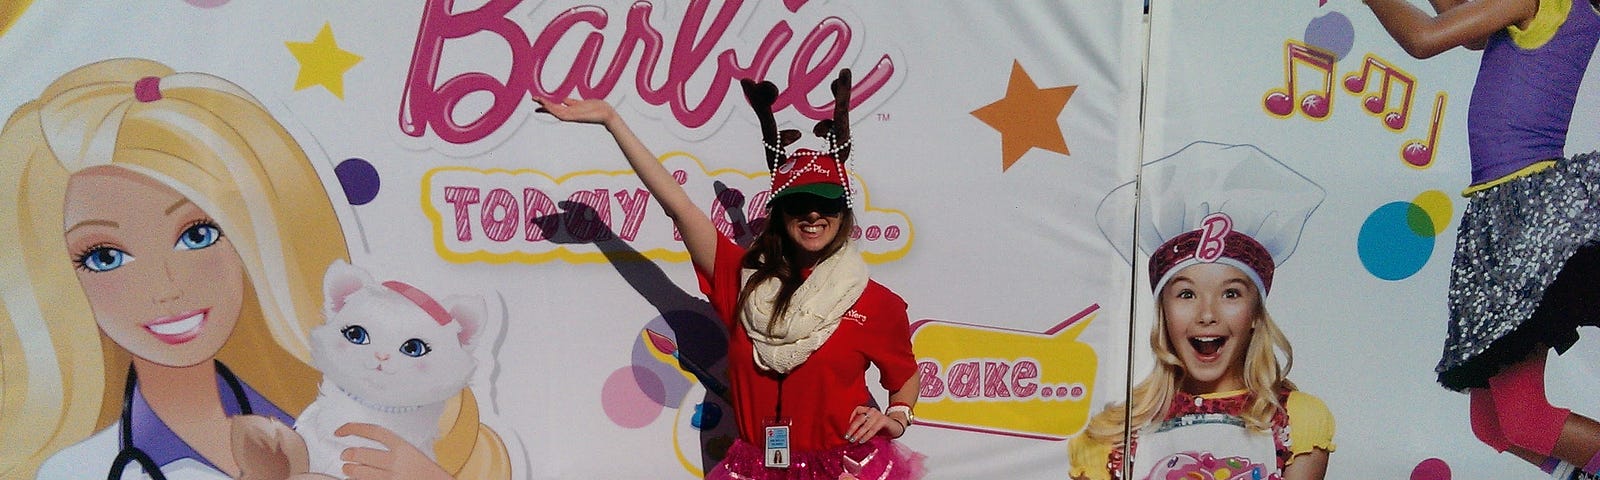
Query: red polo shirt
x=819, y=395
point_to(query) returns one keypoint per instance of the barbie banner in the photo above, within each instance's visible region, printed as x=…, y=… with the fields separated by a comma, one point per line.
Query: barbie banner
x=250, y=239
x=1238, y=240
x=1374, y=165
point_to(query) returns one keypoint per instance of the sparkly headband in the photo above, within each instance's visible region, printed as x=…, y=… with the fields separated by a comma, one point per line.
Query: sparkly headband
x=1214, y=242
x=147, y=89
x=421, y=299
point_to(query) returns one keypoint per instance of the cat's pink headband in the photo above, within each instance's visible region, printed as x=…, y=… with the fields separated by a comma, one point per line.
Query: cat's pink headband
x=421, y=299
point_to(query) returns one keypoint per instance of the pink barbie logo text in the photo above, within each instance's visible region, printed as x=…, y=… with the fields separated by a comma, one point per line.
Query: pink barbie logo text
x=699, y=44
x=1214, y=230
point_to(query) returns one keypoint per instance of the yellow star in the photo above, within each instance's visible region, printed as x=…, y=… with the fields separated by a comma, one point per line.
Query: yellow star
x=322, y=62
x=1026, y=117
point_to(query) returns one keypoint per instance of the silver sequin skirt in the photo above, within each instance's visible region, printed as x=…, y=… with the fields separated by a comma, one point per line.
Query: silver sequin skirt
x=1512, y=286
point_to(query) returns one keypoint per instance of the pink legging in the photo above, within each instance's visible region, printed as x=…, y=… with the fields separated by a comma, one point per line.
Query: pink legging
x=1513, y=411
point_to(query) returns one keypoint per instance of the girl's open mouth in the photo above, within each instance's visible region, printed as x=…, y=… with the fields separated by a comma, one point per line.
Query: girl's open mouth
x=1207, y=347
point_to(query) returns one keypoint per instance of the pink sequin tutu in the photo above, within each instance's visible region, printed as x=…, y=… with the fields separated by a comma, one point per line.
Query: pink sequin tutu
x=878, y=459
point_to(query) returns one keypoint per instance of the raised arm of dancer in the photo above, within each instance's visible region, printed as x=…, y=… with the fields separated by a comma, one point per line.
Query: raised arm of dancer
x=699, y=235
x=1458, y=24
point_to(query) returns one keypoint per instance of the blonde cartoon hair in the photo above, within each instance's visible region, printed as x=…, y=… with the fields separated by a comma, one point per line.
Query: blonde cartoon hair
x=1267, y=362
x=60, y=378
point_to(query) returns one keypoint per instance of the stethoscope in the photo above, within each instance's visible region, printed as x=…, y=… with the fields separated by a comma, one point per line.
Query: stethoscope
x=131, y=453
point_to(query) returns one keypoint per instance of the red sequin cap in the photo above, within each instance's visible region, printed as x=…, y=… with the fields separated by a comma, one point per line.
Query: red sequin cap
x=1214, y=242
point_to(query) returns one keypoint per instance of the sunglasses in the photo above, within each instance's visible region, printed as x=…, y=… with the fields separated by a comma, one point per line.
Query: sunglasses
x=800, y=204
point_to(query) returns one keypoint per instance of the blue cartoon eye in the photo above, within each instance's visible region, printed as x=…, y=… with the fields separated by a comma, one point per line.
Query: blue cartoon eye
x=356, y=334
x=415, y=348
x=200, y=235
x=102, y=259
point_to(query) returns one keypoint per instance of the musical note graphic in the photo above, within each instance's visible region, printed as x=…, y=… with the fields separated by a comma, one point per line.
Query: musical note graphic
x=1377, y=104
x=1419, y=154
x=1280, y=102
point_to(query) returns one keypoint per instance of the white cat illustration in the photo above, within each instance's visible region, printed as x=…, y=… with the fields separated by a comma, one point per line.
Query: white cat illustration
x=390, y=355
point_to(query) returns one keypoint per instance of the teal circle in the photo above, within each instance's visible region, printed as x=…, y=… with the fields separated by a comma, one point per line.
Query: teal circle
x=1395, y=241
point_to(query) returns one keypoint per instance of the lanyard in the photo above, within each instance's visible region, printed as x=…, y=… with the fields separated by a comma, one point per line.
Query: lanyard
x=778, y=409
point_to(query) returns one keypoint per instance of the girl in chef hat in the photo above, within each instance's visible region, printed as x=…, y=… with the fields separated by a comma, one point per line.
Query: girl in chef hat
x=1218, y=401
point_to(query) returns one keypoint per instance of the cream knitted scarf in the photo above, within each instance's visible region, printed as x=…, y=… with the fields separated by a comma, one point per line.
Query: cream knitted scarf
x=813, y=313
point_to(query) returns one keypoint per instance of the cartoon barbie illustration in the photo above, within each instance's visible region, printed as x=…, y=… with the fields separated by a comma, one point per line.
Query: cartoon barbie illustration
x=1522, y=278
x=168, y=239
x=1218, y=403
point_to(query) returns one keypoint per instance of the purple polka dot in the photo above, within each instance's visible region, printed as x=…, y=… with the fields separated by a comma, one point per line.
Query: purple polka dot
x=1077, y=391
x=1431, y=469
x=359, y=180
x=1061, y=392
x=626, y=397
x=1046, y=392
x=1332, y=32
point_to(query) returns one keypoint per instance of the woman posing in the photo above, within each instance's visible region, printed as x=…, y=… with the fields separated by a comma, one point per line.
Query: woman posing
x=804, y=320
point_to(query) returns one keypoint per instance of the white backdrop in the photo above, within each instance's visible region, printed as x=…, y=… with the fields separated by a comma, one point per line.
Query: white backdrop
x=1367, y=320
x=993, y=232
x=987, y=135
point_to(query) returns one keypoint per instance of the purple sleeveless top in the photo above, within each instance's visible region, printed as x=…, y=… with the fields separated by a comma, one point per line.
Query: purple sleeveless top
x=1522, y=102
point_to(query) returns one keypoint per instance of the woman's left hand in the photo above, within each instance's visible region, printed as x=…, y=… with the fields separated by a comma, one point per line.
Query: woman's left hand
x=401, y=460
x=867, y=421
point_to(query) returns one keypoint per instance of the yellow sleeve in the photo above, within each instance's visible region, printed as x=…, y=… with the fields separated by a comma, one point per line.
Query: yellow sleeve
x=1310, y=424
x=1089, y=458
x=1546, y=20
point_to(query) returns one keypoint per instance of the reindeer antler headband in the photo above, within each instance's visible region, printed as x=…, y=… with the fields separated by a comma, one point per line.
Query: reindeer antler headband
x=805, y=171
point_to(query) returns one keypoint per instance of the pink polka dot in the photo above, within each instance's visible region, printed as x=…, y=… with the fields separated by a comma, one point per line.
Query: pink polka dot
x=1431, y=469
x=206, y=3
x=626, y=397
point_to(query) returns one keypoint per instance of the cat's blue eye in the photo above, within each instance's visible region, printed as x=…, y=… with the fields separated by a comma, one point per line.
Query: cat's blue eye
x=102, y=259
x=200, y=235
x=356, y=334
x=415, y=348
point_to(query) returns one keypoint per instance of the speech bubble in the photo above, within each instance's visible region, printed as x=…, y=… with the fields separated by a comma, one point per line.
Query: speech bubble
x=1004, y=381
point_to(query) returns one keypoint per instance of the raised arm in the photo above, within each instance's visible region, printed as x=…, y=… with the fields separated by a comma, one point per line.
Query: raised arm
x=699, y=235
x=1459, y=23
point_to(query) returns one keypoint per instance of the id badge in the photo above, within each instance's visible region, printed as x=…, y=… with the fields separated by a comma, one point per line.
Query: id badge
x=777, y=443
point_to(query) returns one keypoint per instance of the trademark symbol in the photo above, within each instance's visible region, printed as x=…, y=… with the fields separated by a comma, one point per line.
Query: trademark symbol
x=883, y=117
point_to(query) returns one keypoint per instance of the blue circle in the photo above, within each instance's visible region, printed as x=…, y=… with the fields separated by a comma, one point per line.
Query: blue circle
x=1389, y=245
x=359, y=180
x=706, y=416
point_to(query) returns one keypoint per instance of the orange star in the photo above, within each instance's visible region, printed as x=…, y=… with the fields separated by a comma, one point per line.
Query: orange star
x=1026, y=117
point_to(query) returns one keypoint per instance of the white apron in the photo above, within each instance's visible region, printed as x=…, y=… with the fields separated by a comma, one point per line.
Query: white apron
x=1207, y=444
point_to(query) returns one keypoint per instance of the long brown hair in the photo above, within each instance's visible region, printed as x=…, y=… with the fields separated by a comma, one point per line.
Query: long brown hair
x=773, y=255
